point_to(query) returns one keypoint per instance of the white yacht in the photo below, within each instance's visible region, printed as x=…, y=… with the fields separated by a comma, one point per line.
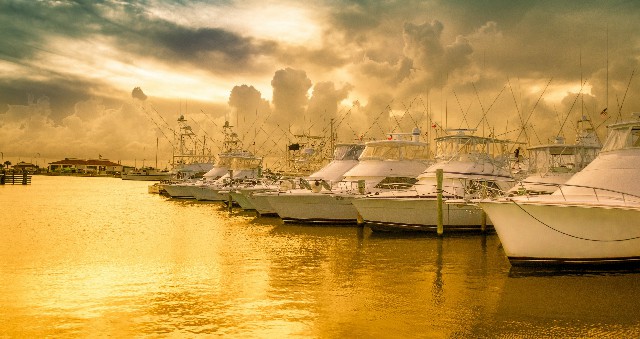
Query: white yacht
x=472, y=166
x=591, y=219
x=191, y=159
x=345, y=157
x=147, y=174
x=231, y=146
x=243, y=166
x=397, y=160
x=553, y=164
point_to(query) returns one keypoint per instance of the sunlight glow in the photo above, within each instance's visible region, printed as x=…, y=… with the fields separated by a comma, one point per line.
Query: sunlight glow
x=98, y=61
x=288, y=22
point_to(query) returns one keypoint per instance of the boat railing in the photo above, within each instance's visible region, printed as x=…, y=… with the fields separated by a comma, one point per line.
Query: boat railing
x=624, y=197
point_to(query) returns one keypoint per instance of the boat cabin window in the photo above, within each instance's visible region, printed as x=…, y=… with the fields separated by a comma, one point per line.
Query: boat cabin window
x=621, y=138
x=396, y=182
x=395, y=152
x=348, y=152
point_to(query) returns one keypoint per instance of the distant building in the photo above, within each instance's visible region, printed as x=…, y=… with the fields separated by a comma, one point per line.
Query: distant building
x=97, y=166
x=22, y=167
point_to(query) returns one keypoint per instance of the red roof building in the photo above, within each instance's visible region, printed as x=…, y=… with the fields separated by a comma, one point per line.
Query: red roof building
x=85, y=166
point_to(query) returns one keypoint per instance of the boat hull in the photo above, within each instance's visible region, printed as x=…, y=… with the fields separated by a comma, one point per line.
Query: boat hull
x=314, y=208
x=260, y=203
x=146, y=177
x=418, y=215
x=557, y=234
x=208, y=193
x=241, y=200
x=179, y=191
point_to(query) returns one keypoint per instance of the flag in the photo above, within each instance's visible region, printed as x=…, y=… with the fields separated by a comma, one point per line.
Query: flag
x=604, y=112
x=294, y=147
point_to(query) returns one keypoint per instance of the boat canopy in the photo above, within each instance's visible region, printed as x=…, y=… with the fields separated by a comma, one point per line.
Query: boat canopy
x=560, y=158
x=395, y=150
x=454, y=146
x=623, y=136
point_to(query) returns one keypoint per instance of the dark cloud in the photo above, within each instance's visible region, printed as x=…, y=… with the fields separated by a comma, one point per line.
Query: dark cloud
x=137, y=93
x=62, y=93
x=432, y=60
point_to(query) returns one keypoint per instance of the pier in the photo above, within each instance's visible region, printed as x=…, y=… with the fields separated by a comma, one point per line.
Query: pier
x=15, y=179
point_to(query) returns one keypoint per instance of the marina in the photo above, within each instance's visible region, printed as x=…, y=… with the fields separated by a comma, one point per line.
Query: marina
x=330, y=169
x=102, y=257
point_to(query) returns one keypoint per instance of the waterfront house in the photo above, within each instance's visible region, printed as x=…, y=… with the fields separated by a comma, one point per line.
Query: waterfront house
x=93, y=166
x=25, y=167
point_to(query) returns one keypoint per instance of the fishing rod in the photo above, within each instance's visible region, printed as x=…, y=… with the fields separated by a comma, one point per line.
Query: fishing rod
x=526, y=121
x=625, y=96
x=483, y=118
x=571, y=108
x=464, y=114
x=522, y=124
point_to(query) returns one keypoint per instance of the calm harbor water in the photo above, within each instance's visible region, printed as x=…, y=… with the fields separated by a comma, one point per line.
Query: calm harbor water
x=93, y=257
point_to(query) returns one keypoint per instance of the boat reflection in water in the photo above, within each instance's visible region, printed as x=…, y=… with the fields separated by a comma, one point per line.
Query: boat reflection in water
x=132, y=264
x=562, y=303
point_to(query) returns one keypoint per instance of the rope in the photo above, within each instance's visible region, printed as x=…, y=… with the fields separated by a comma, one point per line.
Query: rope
x=571, y=235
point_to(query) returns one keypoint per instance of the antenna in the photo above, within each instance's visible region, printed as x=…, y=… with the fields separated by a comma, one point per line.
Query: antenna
x=607, y=98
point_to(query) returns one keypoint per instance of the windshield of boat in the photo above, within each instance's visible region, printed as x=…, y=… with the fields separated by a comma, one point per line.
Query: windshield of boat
x=395, y=151
x=245, y=163
x=560, y=159
x=224, y=162
x=347, y=152
x=454, y=146
x=622, y=138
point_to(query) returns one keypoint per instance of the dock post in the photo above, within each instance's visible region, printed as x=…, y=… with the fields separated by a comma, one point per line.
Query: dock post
x=483, y=218
x=230, y=186
x=439, y=178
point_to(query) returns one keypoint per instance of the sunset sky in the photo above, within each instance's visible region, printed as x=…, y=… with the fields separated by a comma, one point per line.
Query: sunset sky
x=69, y=67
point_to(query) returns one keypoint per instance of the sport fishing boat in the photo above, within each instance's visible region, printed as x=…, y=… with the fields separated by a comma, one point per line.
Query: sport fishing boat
x=384, y=164
x=590, y=219
x=243, y=166
x=191, y=159
x=473, y=166
x=345, y=157
x=147, y=174
x=185, y=188
x=553, y=164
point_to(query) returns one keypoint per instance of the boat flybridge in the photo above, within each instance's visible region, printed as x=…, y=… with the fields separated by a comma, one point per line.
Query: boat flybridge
x=593, y=218
x=231, y=149
x=472, y=166
x=553, y=164
x=392, y=162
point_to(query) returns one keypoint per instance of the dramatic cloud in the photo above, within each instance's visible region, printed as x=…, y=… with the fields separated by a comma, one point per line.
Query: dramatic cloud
x=290, y=99
x=68, y=68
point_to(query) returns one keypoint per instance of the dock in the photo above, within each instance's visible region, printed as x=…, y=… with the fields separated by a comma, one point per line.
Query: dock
x=15, y=179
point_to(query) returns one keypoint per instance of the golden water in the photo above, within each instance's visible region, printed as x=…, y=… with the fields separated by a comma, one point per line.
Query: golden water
x=86, y=257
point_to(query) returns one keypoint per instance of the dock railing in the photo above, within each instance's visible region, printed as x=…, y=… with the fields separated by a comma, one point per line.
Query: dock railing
x=15, y=179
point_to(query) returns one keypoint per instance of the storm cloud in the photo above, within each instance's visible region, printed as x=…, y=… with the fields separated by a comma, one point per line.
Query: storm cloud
x=68, y=68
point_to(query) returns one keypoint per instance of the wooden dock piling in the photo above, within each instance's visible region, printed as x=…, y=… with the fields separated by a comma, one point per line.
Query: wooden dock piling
x=439, y=179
